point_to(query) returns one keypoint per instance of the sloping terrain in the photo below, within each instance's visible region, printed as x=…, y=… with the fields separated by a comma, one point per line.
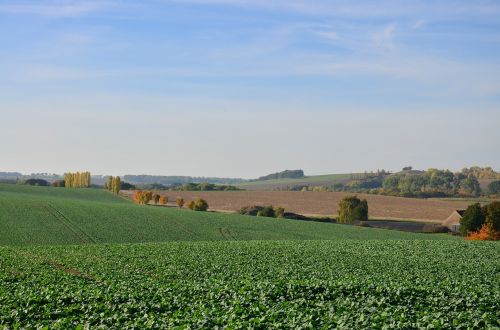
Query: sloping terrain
x=34, y=215
x=316, y=180
x=326, y=203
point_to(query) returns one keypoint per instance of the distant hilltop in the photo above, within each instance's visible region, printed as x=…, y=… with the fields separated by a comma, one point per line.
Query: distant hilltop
x=286, y=174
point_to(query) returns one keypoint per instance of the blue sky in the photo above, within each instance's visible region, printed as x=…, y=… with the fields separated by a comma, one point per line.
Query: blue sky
x=242, y=88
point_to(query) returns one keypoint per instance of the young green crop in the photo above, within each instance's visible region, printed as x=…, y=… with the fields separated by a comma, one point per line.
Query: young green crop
x=348, y=284
x=39, y=215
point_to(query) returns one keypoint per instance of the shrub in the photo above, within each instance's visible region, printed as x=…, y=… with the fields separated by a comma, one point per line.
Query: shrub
x=279, y=212
x=267, y=211
x=492, y=213
x=190, y=205
x=250, y=210
x=143, y=197
x=494, y=188
x=156, y=198
x=200, y=205
x=352, y=208
x=486, y=233
x=294, y=216
x=36, y=182
x=127, y=186
x=58, y=183
x=179, y=202
x=163, y=200
x=472, y=220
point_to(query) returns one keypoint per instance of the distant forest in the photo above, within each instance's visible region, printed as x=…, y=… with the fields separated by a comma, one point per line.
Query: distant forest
x=287, y=174
x=13, y=177
x=414, y=183
x=177, y=180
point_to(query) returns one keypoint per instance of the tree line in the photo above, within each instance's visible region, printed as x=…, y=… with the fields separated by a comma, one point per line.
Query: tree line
x=77, y=179
x=113, y=184
x=481, y=222
x=145, y=197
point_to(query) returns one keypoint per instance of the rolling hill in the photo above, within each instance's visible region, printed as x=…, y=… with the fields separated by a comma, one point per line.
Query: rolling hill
x=47, y=215
x=169, y=268
x=328, y=179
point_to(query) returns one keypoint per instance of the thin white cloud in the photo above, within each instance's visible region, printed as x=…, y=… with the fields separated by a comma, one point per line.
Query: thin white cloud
x=418, y=24
x=383, y=40
x=53, y=8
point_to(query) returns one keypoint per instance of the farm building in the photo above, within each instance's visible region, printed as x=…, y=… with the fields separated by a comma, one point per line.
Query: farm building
x=453, y=221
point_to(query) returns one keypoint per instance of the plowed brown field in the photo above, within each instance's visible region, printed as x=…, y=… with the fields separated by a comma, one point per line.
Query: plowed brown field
x=324, y=203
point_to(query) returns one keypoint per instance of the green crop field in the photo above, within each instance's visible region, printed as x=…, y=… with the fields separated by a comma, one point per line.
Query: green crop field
x=40, y=215
x=347, y=284
x=84, y=258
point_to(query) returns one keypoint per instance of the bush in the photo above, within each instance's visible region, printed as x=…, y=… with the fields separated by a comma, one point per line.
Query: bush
x=494, y=188
x=352, y=208
x=486, y=233
x=190, y=205
x=492, y=213
x=267, y=211
x=179, y=202
x=264, y=211
x=59, y=183
x=200, y=205
x=163, y=200
x=294, y=216
x=472, y=220
x=143, y=197
x=250, y=210
x=279, y=212
x=156, y=198
x=126, y=186
x=36, y=182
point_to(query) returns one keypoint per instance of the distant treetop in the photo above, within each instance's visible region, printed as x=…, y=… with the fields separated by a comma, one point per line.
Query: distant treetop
x=287, y=174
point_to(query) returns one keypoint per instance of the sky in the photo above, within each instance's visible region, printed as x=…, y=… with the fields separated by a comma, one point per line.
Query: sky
x=242, y=88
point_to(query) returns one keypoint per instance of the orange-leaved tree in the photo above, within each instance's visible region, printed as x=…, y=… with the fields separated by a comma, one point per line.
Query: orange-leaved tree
x=143, y=197
x=486, y=233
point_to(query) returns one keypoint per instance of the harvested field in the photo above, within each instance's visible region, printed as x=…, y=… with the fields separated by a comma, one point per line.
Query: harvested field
x=324, y=203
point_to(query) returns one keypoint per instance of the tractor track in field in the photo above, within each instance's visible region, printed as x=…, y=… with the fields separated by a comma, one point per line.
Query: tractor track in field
x=228, y=235
x=79, y=233
x=178, y=225
x=57, y=265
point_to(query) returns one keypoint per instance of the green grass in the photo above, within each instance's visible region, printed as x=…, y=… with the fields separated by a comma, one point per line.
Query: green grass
x=35, y=215
x=332, y=178
x=346, y=284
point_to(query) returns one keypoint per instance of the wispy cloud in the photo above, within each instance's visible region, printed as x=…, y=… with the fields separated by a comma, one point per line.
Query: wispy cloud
x=383, y=40
x=53, y=8
x=418, y=24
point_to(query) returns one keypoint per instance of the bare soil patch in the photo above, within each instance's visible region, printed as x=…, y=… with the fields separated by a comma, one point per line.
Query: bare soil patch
x=323, y=203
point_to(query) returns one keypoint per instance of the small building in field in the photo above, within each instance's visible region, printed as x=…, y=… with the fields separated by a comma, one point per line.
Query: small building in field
x=453, y=221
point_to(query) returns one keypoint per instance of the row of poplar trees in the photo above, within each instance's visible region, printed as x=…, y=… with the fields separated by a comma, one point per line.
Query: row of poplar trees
x=77, y=180
x=113, y=184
